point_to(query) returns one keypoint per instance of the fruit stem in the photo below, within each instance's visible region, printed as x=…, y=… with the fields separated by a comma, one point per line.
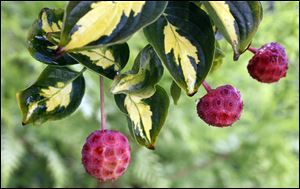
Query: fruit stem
x=253, y=50
x=102, y=106
x=206, y=86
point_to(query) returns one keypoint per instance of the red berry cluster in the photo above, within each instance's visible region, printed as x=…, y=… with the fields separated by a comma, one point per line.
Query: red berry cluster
x=106, y=154
x=269, y=64
x=222, y=106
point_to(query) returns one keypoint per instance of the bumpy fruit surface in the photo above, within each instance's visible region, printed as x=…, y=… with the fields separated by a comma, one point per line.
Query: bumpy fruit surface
x=269, y=63
x=220, y=107
x=106, y=154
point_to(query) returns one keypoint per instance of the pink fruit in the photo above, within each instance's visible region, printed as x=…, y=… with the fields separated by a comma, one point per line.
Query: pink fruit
x=269, y=64
x=220, y=107
x=106, y=154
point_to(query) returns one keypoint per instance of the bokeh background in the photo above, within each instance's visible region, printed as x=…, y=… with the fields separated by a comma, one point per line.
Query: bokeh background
x=260, y=150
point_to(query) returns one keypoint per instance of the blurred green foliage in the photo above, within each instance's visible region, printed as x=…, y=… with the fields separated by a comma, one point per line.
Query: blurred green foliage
x=260, y=150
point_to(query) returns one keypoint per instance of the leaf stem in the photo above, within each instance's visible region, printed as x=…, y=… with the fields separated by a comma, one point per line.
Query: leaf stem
x=253, y=50
x=60, y=51
x=206, y=86
x=102, y=105
x=83, y=70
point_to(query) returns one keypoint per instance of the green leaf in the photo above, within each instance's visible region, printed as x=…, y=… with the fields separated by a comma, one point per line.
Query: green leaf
x=43, y=43
x=44, y=36
x=119, y=99
x=218, y=58
x=107, y=61
x=56, y=94
x=238, y=21
x=140, y=81
x=146, y=117
x=103, y=23
x=184, y=40
x=175, y=92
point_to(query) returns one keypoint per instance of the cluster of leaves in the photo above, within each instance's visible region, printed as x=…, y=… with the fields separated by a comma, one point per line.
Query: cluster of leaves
x=181, y=37
x=268, y=155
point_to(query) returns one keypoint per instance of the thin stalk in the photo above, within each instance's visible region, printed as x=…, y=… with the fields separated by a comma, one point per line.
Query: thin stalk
x=206, y=86
x=102, y=105
x=253, y=50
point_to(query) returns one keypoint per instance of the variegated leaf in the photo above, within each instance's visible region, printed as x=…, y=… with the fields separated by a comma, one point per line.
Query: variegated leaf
x=107, y=61
x=56, y=94
x=237, y=20
x=141, y=80
x=184, y=40
x=103, y=23
x=146, y=117
x=45, y=35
